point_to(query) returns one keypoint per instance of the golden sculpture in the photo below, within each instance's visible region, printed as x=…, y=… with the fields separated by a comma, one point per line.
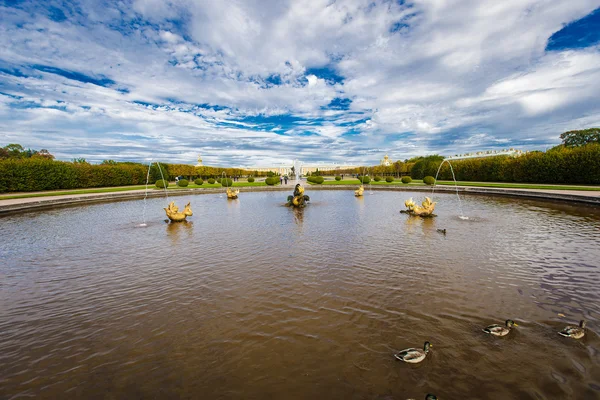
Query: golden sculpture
x=299, y=199
x=359, y=192
x=424, y=210
x=232, y=194
x=174, y=214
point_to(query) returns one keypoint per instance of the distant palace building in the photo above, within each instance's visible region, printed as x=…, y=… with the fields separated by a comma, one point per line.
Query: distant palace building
x=286, y=168
x=199, y=161
x=490, y=153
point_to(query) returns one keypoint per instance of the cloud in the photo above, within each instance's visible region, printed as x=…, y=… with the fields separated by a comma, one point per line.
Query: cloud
x=256, y=81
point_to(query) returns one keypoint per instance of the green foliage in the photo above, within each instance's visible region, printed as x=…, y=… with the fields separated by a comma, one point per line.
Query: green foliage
x=271, y=174
x=315, y=179
x=581, y=137
x=183, y=183
x=429, y=180
x=425, y=166
x=228, y=182
x=338, y=178
x=155, y=172
x=211, y=181
x=377, y=178
x=406, y=179
x=272, y=181
x=198, y=181
x=161, y=184
x=219, y=180
x=389, y=179
x=250, y=179
x=364, y=179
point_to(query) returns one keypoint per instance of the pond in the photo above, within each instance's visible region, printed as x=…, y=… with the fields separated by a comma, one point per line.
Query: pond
x=254, y=300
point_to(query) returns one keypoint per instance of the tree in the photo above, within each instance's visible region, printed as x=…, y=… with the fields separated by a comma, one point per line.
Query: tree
x=43, y=153
x=109, y=162
x=581, y=137
x=14, y=150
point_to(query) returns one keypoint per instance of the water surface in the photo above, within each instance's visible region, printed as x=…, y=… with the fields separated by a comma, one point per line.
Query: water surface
x=253, y=300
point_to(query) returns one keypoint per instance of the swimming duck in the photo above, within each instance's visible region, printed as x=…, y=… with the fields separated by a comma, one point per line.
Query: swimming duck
x=413, y=355
x=443, y=231
x=575, y=332
x=499, y=330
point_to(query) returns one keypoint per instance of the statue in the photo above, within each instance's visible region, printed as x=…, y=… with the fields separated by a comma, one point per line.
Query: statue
x=359, y=192
x=299, y=199
x=232, y=194
x=424, y=210
x=174, y=214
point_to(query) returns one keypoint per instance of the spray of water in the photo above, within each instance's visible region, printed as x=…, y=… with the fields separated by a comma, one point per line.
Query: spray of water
x=462, y=214
x=146, y=195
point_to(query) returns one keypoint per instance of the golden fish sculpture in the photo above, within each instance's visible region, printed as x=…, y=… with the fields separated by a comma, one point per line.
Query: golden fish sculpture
x=424, y=210
x=298, y=199
x=360, y=191
x=232, y=194
x=174, y=214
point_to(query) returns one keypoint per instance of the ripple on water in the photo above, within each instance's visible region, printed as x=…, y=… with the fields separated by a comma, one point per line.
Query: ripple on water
x=254, y=300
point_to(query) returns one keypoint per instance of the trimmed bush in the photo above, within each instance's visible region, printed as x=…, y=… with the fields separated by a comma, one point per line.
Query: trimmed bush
x=161, y=184
x=406, y=179
x=429, y=180
x=227, y=182
x=377, y=178
x=183, y=183
x=250, y=179
x=318, y=180
x=364, y=179
x=211, y=181
x=218, y=180
x=338, y=178
x=389, y=179
x=198, y=181
x=272, y=181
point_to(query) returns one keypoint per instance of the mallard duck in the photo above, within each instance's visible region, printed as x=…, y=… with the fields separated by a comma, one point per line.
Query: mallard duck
x=499, y=330
x=412, y=355
x=575, y=332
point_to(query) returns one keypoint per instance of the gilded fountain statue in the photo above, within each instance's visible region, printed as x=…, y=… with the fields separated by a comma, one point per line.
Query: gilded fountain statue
x=232, y=193
x=173, y=212
x=299, y=199
x=360, y=191
x=424, y=210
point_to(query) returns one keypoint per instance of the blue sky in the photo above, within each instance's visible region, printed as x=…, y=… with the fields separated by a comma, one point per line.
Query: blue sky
x=255, y=82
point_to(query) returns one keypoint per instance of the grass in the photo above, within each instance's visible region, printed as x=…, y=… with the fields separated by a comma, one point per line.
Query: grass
x=382, y=182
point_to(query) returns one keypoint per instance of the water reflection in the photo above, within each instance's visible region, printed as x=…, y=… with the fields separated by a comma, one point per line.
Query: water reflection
x=305, y=305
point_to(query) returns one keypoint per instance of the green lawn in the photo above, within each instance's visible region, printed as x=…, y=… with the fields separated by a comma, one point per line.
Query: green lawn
x=207, y=185
x=75, y=191
x=357, y=182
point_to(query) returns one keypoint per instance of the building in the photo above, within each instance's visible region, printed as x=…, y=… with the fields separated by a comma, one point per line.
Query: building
x=490, y=153
x=199, y=161
x=286, y=168
x=386, y=162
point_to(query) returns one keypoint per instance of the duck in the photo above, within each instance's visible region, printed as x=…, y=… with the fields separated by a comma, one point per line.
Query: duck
x=413, y=355
x=443, y=231
x=429, y=396
x=575, y=332
x=499, y=330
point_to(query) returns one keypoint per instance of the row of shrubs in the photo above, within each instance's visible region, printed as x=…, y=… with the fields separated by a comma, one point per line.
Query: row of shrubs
x=227, y=182
x=32, y=174
x=558, y=165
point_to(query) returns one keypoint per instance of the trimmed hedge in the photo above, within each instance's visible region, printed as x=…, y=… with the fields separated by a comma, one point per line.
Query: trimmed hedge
x=338, y=178
x=429, y=180
x=183, y=183
x=389, y=179
x=219, y=180
x=272, y=181
x=161, y=184
x=569, y=165
x=211, y=181
x=227, y=182
x=364, y=179
x=250, y=179
x=406, y=179
x=315, y=179
x=198, y=181
x=377, y=178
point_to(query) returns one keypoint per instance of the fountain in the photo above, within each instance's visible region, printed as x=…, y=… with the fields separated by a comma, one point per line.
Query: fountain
x=462, y=214
x=424, y=210
x=231, y=193
x=173, y=212
x=298, y=199
x=146, y=192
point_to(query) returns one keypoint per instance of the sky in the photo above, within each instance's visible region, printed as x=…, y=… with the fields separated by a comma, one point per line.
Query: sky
x=257, y=82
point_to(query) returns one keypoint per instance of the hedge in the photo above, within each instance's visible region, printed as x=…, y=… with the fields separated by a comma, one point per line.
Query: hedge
x=571, y=165
x=272, y=181
x=406, y=179
x=228, y=182
x=389, y=179
x=183, y=183
x=250, y=179
x=198, y=181
x=32, y=174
